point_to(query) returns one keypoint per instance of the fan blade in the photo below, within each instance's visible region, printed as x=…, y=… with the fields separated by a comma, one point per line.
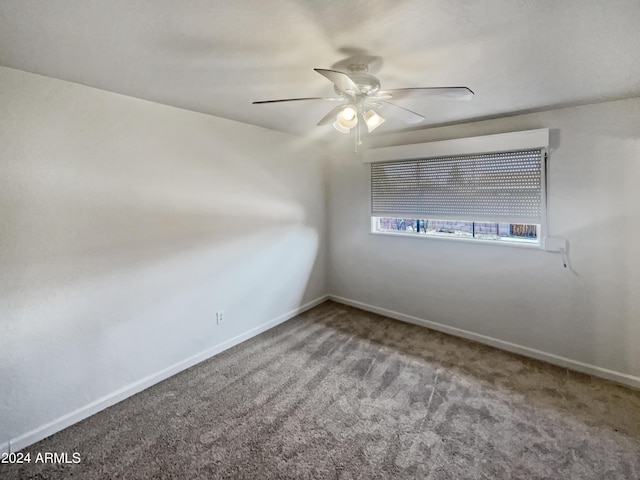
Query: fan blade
x=406, y=115
x=459, y=93
x=340, y=80
x=298, y=100
x=329, y=117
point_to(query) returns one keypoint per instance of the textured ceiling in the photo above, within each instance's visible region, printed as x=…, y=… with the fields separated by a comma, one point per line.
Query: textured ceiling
x=218, y=56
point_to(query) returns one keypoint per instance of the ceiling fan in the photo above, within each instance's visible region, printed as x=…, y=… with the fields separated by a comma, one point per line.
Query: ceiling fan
x=359, y=94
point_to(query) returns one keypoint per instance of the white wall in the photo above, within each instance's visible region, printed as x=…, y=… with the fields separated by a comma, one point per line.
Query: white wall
x=124, y=226
x=590, y=317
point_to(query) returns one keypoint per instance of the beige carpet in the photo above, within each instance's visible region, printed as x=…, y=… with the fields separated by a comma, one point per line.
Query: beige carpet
x=341, y=393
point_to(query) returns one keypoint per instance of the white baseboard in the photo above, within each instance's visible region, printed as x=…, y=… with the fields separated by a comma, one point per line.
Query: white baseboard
x=4, y=448
x=94, y=407
x=594, y=370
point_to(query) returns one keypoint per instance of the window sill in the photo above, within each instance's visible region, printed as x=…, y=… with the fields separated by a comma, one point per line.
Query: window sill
x=476, y=241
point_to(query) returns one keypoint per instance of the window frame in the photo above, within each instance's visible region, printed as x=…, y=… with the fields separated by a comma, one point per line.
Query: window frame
x=529, y=139
x=476, y=241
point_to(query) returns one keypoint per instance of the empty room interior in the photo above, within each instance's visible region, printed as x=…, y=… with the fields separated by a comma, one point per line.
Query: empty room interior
x=303, y=239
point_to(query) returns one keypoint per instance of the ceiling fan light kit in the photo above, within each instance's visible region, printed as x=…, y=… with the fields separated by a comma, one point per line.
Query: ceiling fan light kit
x=348, y=117
x=340, y=128
x=361, y=92
x=373, y=120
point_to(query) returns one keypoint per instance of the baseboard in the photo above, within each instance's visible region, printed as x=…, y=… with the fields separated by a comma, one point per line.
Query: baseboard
x=4, y=448
x=92, y=408
x=594, y=370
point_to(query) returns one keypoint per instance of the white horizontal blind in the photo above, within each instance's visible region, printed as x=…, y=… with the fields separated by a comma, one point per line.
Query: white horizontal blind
x=506, y=187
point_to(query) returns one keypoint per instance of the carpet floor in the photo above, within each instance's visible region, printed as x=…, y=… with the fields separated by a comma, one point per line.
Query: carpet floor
x=339, y=393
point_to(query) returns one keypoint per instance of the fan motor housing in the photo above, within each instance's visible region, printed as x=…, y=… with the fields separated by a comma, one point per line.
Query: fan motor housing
x=368, y=84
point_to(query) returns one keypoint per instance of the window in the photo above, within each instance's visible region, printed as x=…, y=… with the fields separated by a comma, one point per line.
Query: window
x=491, y=197
x=501, y=232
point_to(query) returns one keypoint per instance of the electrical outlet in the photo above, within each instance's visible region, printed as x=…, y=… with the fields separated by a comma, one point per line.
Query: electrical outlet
x=220, y=316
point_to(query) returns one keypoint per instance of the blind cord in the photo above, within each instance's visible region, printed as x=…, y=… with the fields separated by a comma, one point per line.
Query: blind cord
x=565, y=260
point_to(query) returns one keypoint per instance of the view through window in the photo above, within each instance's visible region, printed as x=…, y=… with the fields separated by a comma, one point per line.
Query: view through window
x=499, y=232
